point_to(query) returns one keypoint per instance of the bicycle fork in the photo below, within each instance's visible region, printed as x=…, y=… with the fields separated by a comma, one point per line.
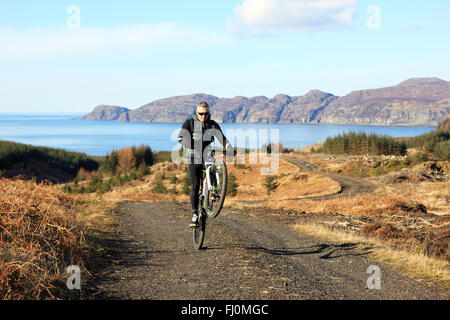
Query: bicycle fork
x=217, y=185
x=207, y=184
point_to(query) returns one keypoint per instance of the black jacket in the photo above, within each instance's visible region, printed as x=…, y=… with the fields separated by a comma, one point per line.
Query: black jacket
x=193, y=130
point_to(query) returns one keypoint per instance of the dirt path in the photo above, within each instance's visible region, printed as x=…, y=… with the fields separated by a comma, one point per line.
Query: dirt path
x=246, y=257
x=350, y=186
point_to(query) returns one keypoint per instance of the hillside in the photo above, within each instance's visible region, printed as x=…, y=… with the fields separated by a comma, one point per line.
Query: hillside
x=413, y=102
x=42, y=163
x=419, y=101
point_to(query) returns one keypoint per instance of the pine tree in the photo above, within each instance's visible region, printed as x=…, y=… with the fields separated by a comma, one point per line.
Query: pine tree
x=232, y=185
x=270, y=183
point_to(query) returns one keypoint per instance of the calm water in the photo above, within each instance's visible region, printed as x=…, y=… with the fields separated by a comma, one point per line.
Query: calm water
x=100, y=137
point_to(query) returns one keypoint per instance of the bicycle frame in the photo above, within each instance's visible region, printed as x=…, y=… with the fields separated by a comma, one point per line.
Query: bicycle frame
x=207, y=184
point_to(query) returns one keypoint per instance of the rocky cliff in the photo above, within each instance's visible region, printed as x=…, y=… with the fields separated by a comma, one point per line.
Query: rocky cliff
x=105, y=112
x=421, y=101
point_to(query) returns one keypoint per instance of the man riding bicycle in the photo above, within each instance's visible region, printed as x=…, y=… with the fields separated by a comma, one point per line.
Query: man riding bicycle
x=196, y=135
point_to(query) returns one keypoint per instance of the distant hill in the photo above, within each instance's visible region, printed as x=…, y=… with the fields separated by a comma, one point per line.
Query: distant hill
x=104, y=112
x=422, y=101
x=419, y=101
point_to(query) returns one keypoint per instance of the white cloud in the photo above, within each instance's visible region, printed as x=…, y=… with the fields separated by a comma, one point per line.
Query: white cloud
x=275, y=16
x=42, y=43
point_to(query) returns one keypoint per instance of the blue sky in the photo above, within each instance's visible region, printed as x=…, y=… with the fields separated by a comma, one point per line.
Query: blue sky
x=129, y=53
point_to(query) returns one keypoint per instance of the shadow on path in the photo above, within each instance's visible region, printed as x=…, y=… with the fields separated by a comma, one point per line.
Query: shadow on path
x=330, y=251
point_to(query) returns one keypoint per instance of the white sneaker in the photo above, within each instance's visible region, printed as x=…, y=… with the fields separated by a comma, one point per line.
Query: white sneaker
x=194, y=221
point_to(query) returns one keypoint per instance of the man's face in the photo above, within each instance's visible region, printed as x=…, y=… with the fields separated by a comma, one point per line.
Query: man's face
x=202, y=113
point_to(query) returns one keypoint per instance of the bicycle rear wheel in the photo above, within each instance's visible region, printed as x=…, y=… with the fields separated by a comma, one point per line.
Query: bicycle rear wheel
x=198, y=233
x=213, y=204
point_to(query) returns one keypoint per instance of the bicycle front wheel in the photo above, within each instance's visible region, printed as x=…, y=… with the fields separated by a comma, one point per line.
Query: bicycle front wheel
x=198, y=233
x=215, y=198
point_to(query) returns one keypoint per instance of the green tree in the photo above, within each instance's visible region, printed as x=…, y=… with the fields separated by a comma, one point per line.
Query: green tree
x=143, y=154
x=158, y=187
x=232, y=186
x=186, y=187
x=142, y=170
x=270, y=184
x=110, y=163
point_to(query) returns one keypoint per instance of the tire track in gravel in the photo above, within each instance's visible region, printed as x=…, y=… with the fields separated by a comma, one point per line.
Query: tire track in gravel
x=246, y=257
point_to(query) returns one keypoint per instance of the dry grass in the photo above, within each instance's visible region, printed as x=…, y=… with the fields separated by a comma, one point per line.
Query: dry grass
x=39, y=238
x=293, y=183
x=367, y=205
x=435, y=196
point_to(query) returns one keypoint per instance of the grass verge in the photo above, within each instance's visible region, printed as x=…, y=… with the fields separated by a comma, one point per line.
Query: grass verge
x=43, y=231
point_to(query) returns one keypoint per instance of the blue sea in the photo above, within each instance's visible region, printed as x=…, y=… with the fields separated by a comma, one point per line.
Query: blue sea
x=99, y=138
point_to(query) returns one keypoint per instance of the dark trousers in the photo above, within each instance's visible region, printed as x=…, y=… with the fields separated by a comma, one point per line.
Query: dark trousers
x=195, y=178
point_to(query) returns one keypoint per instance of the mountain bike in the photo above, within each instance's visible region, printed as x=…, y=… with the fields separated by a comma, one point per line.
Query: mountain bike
x=212, y=194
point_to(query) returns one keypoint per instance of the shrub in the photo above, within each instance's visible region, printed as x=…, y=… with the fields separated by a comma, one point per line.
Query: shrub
x=417, y=158
x=173, y=190
x=133, y=174
x=442, y=151
x=142, y=170
x=158, y=187
x=277, y=148
x=126, y=160
x=232, y=186
x=163, y=156
x=270, y=184
x=83, y=174
x=173, y=179
x=186, y=187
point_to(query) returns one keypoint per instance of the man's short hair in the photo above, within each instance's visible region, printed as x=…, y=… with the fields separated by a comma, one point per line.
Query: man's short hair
x=203, y=105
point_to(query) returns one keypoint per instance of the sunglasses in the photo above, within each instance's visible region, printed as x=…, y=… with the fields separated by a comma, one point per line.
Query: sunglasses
x=203, y=114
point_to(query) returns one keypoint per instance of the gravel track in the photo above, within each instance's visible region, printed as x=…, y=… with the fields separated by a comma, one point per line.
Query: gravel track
x=246, y=256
